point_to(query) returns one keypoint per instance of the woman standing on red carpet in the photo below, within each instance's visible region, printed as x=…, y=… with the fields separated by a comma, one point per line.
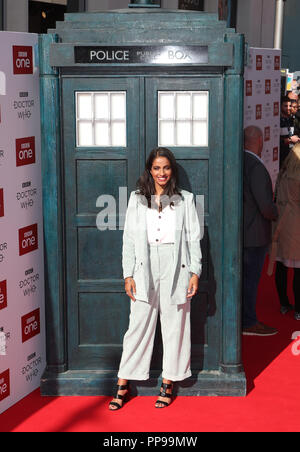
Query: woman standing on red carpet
x=286, y=237
x=161, y=265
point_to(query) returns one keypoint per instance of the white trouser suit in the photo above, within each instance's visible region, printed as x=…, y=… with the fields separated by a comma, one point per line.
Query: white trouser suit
x=175, y=326
x=174, y=318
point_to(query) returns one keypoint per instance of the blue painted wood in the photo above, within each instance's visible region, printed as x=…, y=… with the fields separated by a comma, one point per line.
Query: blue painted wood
x=116, y=17
x=233, y=211
x=290, y=47
x=52, y=207
x=98, y=382
x=138, y=24
x=232, y=238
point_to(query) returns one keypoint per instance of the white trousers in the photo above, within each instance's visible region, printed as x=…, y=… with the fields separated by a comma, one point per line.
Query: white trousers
x=175, y=326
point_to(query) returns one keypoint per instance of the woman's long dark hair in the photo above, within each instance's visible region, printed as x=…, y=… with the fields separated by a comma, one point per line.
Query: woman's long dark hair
x=145, y=184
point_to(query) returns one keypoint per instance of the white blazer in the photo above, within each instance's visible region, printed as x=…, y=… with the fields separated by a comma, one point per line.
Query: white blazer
x=187, y=251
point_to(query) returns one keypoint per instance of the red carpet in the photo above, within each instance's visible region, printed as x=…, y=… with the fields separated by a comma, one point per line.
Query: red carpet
x=272, y=403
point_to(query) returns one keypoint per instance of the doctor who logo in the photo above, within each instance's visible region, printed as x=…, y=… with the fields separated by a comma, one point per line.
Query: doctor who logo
x=31, y=368
x=22, y=60
x=28, y=239
x=1, y=156
x=3, y=249
x=30, y=324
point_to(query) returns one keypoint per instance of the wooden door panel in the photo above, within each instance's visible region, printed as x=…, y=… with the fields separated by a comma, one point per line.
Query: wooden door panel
x=99, y=254
x=97, y=178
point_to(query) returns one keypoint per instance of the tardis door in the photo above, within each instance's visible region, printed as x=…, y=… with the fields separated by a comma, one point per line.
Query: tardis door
x=110, y=126
x=101, y=154
x=189, y=121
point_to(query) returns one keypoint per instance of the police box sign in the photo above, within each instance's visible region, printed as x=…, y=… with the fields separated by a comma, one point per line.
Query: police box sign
x=141, y=55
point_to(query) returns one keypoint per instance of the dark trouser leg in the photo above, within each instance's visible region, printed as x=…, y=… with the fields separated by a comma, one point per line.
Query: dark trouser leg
x=253, y=261
x=281, y=283
x=296, y=288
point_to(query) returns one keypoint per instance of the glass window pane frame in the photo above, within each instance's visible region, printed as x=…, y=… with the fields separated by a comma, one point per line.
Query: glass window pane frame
x=94, y=120
x=193, y=120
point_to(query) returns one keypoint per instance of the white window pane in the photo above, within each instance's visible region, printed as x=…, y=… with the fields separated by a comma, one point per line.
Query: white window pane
x=183, y=133
x=118, y=105
x=200, y=106
x=85, y=133
x=183, y=106
x=101, y=118
x=102, y=134
x=200, y=133
x=166, y=105
x=118, y=133
x=101, y=106
x=84, y=106
x=166, y=133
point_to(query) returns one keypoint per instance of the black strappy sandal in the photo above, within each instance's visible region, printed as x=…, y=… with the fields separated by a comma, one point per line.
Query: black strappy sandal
x=120, y=397
x=164, y=393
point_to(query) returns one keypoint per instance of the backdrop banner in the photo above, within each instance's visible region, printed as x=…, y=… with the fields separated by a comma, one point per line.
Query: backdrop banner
x=262, y=101
x=22, y=310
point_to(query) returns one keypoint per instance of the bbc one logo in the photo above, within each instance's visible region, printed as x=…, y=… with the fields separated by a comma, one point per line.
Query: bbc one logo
x=28, y=239
x=1, y=203
x=258, y=111
x=277, y=63
x=22, y=60
x=267, y=133
x=248, y=87
x=4, y=385
x=259, y=62
x=3, y=294
x=276, y=109
x=268, y=86
x=30, y=325
x=25, y=151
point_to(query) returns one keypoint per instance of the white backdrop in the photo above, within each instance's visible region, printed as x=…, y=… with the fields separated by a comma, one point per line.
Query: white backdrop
x=262, y=101
x=22, y=316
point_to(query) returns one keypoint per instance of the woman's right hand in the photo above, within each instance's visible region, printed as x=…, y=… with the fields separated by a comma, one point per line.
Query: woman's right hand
x=130, y=288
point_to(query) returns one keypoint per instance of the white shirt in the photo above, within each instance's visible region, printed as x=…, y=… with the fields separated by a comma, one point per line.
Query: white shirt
x=161, y=225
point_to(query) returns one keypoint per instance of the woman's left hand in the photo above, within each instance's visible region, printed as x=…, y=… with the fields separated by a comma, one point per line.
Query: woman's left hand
x=193, y=285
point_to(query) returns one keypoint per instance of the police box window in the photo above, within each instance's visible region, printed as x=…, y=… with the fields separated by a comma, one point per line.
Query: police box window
x=44, y=15
x=101, y=119
x=183, y=118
